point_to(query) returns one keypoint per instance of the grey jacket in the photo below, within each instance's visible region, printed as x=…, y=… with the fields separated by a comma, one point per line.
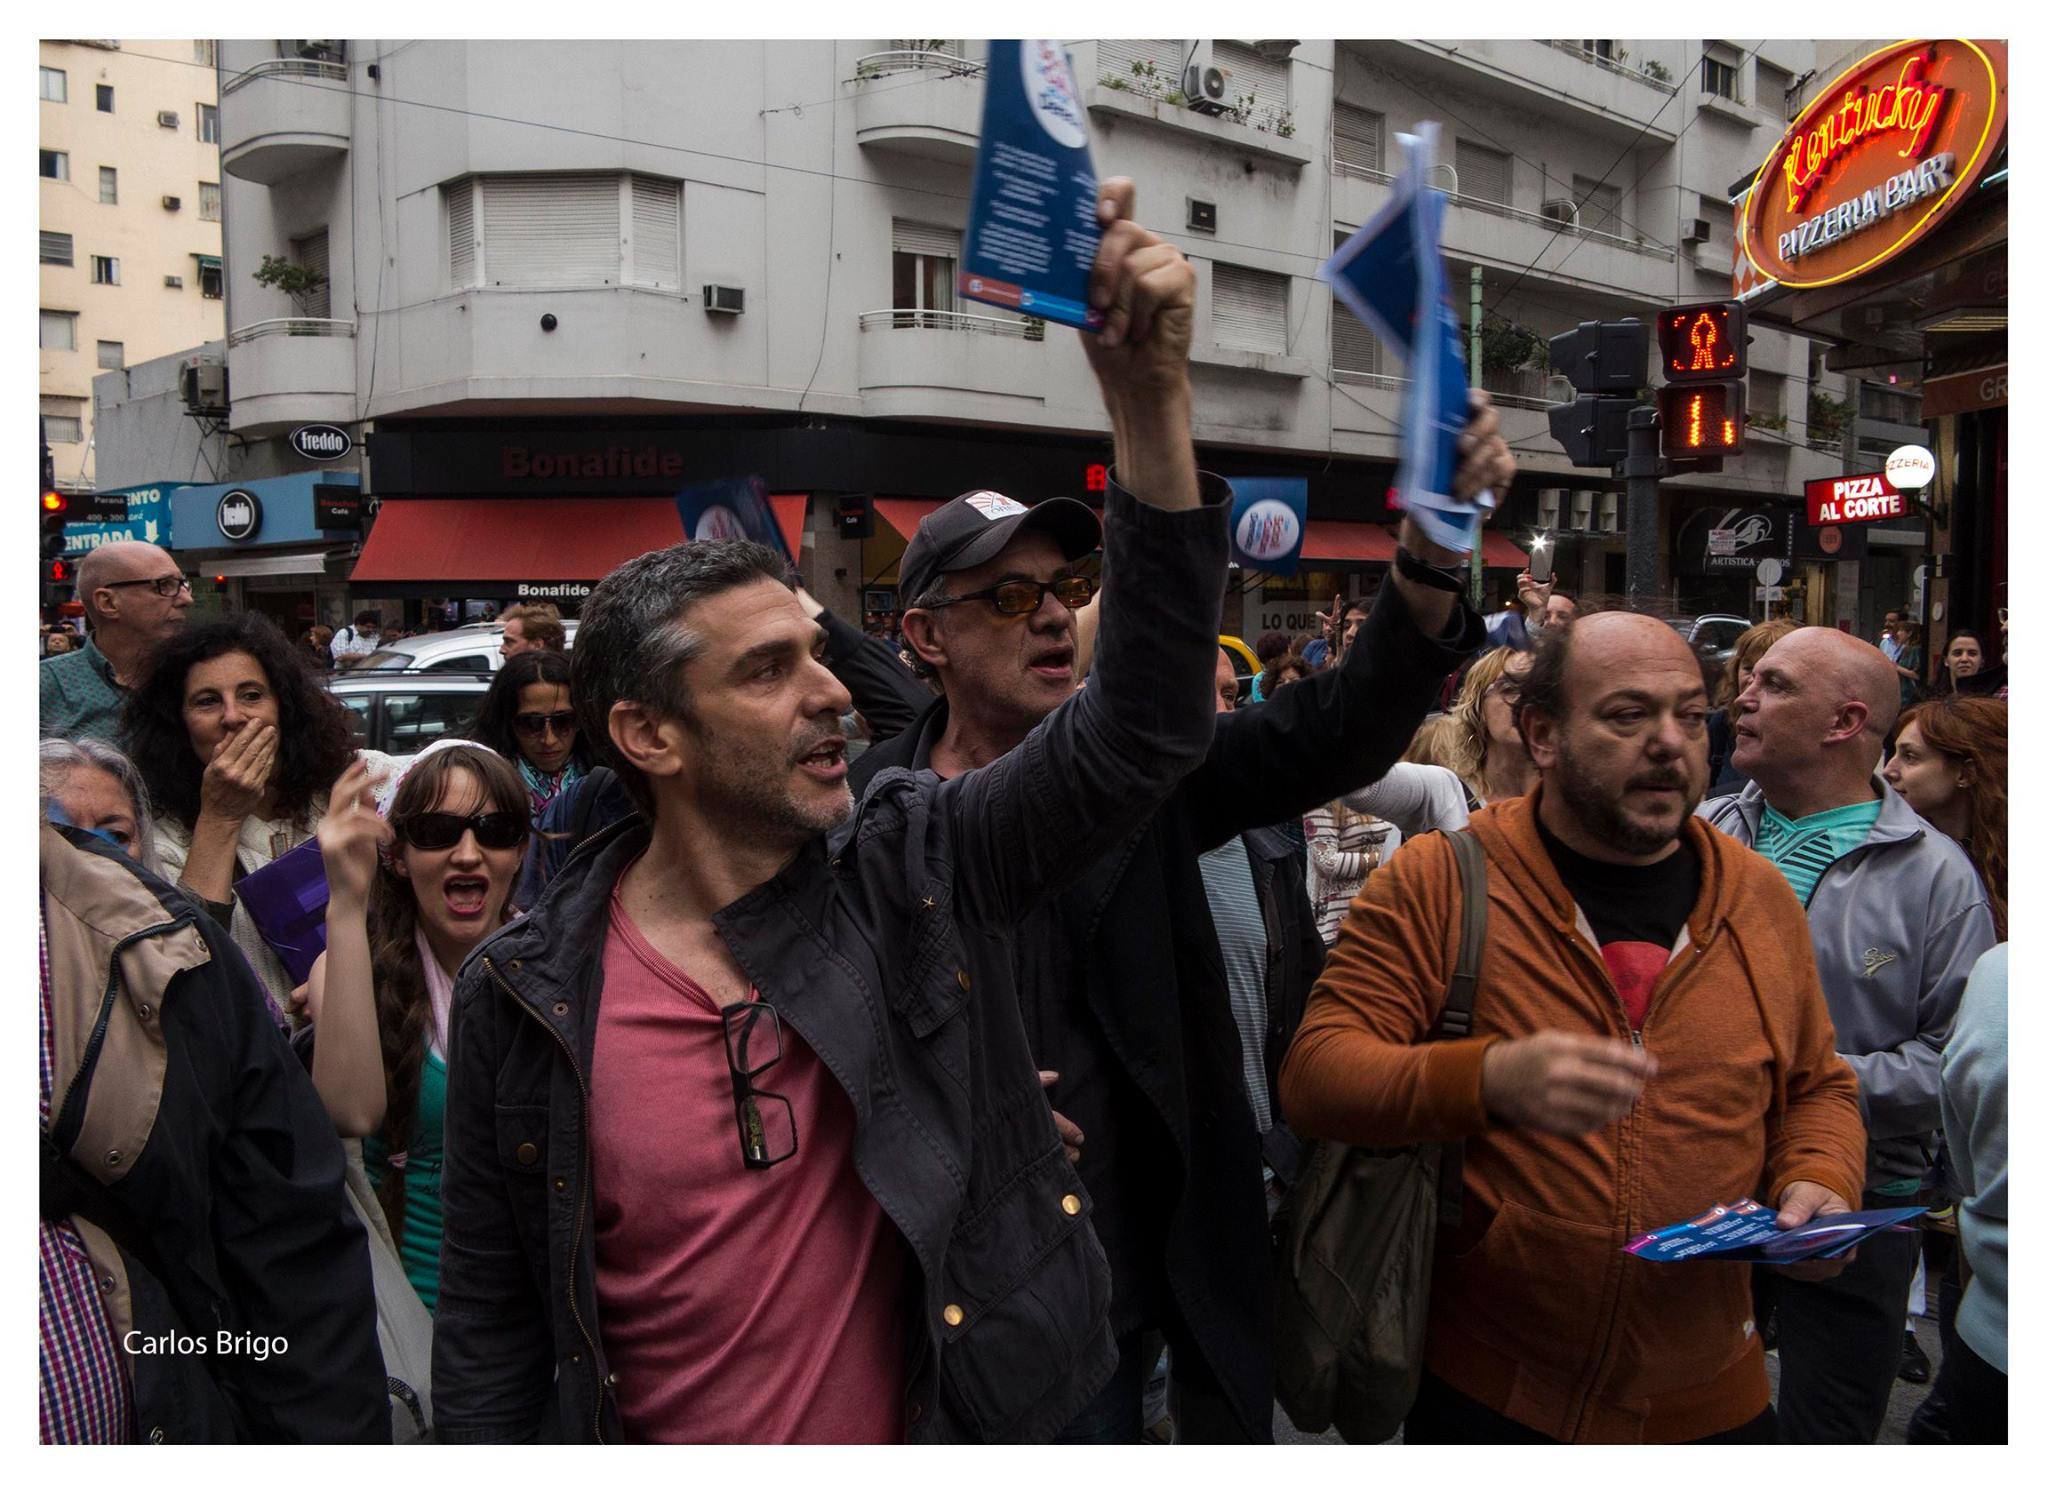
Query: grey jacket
x=1897, y=923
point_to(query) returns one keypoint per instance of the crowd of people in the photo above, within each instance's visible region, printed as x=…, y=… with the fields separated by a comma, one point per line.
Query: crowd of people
x=768, y=1028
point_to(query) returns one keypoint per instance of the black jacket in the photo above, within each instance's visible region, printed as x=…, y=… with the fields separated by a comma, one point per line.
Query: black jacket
x=1134, y=994
x=180, y=1119
x=887, y=950
x=1294, y=958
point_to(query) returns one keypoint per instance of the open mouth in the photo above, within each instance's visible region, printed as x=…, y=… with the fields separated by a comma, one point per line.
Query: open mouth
x=827, y=761
x=1057, y=663
x=466, y=895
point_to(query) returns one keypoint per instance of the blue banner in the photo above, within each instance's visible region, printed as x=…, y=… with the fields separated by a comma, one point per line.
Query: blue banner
x=1390, y=273
x=1268, y=518
x=1748, y=1232
x=1031, y=230
x=731, y=510
x=149, y=519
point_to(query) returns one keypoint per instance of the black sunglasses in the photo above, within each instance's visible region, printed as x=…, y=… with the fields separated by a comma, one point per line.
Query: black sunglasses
x=767, y=1121
x=1022, y=596
x=536, y=724
x=498, y=830
x=166, y=587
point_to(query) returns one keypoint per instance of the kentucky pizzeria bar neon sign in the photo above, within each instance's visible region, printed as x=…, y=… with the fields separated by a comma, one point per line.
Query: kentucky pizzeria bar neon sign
x=1907, y=105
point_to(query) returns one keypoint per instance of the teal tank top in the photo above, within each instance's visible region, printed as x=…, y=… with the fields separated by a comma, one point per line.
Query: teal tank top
x=419, y=1245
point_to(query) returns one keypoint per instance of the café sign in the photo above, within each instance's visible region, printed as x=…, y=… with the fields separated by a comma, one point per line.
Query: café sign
x=1880, y=156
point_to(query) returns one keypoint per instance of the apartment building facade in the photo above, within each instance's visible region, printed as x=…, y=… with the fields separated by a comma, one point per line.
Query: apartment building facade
x=130, y=222
x=568, y=271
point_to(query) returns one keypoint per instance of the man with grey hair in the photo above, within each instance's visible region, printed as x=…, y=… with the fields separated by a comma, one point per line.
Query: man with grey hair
x=743, y=1139
x=1898, y=917
x=134, y=598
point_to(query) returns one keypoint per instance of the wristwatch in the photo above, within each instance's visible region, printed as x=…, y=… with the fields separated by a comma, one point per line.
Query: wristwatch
x=1446, y=579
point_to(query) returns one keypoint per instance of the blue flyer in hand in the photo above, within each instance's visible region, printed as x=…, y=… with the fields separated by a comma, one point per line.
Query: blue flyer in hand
x=731, y=510
x=1390, y=273
x=1031, y=231
x=1748, y=1232
x=1268, y=518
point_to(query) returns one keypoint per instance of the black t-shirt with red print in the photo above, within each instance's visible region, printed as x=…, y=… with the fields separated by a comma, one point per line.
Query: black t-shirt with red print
x=1637, y=912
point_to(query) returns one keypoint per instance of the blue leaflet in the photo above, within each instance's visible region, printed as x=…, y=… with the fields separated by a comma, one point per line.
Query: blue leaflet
x=1390, y=273
x=731, y=510
x=1267, y=520
x=1748, y=1232
x=1031, y=230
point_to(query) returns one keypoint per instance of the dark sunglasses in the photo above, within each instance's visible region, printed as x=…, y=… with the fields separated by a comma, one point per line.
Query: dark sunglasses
x=767, y=1121
x=536, y=724
x=498, y=830
x=1022, y=596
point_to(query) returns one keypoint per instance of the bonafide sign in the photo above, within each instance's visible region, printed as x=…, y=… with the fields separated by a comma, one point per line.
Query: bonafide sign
x=1853, y=497
x=1881, y=155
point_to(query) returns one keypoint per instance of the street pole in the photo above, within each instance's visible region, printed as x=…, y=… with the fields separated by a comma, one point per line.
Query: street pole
x=1640, y=470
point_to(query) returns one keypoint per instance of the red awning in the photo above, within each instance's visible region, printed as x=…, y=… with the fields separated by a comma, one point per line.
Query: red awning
x=558, y=539
x=1499, y=550
x=905, y=514
x=1347, y=541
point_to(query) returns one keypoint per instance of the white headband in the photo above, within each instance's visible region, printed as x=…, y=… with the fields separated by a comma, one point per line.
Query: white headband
x=389, y=793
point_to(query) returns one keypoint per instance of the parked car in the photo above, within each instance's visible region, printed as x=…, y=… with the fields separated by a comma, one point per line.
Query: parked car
x=472, y=649
x=400, y=712
x=1711, y=635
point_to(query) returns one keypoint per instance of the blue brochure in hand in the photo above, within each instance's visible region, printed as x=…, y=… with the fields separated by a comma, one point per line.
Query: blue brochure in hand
x=1390, y=273
x=1031, y=231
x=731, y=510
x=1748, y=1232
x=1268, y=518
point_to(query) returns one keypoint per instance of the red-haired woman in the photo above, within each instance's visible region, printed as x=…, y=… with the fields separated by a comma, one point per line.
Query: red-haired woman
x=1950, y=766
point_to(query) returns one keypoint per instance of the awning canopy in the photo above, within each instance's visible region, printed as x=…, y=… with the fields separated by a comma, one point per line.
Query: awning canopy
x=1347, y=541
x=555, y=539
x=904, y=514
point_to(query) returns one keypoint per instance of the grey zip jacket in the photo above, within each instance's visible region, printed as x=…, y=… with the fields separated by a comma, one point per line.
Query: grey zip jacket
x=1897, y=924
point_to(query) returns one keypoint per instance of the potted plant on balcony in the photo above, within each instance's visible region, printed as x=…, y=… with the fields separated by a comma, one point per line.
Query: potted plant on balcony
x=1512, y=358
x=296, y=282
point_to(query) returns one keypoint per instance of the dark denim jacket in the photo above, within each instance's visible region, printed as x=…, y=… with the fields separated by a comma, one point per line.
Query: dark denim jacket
x=887, y=950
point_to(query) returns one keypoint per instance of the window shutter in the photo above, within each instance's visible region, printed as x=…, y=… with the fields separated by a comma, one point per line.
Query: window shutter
x=461, y=198
x=552, y=229
x=56, y=248
x=1253, y=76
x=657, y=234
x=1249, y=309
x=1116, y=58
x=1482, y=173
x=1599, y=205
x=1353, y=347
x=311, y=252
x=924, y=239
x=1358, y=138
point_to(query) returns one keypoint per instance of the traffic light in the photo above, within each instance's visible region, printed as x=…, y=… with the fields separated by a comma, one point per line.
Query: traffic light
x=1704, y=352
x=1608, y=361
x=1700, y=420
x=56, y=585
x=1703, y=342
x=1593, y=431
x=55, y=506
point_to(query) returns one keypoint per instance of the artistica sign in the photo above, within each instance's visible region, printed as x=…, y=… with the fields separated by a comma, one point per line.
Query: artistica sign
x=1881, y=155
x=1734, y=538
x=1853, y=497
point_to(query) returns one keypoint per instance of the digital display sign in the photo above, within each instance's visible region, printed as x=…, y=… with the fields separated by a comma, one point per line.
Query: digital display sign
x=1702, y=342
x=1700, y=422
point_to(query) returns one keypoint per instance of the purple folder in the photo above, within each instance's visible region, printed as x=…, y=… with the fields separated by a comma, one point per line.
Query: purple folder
x=287, y=901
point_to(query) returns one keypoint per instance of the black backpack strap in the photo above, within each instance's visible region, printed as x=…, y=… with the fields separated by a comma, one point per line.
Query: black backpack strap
x=1456, y=1018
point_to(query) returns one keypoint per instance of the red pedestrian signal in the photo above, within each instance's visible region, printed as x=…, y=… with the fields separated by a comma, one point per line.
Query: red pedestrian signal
x=1701, y=422
x=1703, y=342
x=60, y=571
x=55, y=503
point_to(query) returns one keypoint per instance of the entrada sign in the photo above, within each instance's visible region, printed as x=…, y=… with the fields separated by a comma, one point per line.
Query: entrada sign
x=1853, y=497
x=1885, y=151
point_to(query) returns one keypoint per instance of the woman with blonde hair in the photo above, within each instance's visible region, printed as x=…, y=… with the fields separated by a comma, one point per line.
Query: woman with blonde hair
x=1485, y=746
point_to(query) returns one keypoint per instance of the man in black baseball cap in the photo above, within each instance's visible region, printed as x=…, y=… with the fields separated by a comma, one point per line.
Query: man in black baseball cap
x=991, y=587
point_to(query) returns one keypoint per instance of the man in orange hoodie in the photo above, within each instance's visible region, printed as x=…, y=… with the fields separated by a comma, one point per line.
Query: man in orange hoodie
x=1649, y=1038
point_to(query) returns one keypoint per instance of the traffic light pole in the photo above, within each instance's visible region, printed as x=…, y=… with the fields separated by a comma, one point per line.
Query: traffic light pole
x=1641, y=471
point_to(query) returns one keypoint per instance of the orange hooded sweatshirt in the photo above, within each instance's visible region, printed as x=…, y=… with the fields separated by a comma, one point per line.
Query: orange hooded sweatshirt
x=1535, y=1310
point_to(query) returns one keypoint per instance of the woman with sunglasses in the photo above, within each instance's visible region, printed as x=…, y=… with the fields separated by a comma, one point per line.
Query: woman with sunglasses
x=527, y=720
x=1486, y=746
x=239, y=744
x=413, y=884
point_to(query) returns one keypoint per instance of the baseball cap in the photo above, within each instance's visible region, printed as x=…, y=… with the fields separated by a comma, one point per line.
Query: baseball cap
x=970, y=529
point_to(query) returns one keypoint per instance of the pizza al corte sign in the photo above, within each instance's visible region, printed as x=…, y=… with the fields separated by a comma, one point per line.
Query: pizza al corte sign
x=1853, y=497
x=1881, y=155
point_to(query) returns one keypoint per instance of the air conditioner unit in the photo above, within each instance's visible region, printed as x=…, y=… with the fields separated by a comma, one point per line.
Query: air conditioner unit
x=1206, y=87
x=1201, y=215
x=172, y=203
x=203, y=381
x=1562, y=210
x=724, y=299
x=172, y=281
x=1701, y=230
x=319, y=51
x=1582, y=510
x=1610, y=514
x=1549, y=508
x=167, y=118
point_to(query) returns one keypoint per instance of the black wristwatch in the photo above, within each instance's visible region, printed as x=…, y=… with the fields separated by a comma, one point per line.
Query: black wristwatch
x=1447, y=579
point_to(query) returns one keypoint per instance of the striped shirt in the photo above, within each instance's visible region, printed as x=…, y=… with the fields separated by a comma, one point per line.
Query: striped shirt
x=1241, y=930
x=82, y=1396
x=1804, y=848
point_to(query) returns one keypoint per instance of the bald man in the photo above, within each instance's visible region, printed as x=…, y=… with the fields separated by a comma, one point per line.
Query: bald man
x=135, y=598
x=1898, y=916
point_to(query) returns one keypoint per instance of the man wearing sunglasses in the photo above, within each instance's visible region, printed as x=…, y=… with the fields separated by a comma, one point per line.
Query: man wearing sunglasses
x=744, y=1140
x=135, y=598
x=1125, y=985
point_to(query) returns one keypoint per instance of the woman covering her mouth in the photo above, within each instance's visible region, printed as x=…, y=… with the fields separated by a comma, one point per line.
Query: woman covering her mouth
x=413, y=885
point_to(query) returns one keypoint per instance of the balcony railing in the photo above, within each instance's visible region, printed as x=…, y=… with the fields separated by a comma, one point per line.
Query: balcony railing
x=885, y=64
x=949, y=319
x=288, y=67
x=291, y=325
x=1620, y=69
x=1515, y=213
